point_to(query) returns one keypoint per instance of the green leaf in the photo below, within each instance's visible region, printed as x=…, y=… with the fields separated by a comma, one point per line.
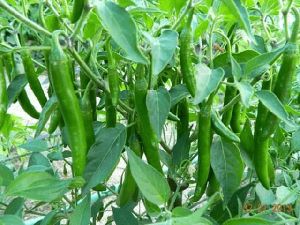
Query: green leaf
x=36, y=186
x=82, y=213
x=222, y=129
x=227, y=164
x=38, y=161
x=124, y=216
x=158, y=104
x=15, y=207
x=35, y=145
x=271, y=102
x=152, y=183
x=193, y=219
x=285, y=195
x=248, y=221
x=178, y=93
x=10, y=219
x=180, y=151
x=295, y=141
x=265, y=196
x=104, y=155
x=6, y=175
x=236, y=69
x=162, y=50
x=47, y=110
x=236, y=8
x=207, y=81
x=15, y=88
x=118, y=23
x=259, y=64
x=246, y=92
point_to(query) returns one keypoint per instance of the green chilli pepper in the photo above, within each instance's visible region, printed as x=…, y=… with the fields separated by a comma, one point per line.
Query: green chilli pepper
x=63, y=87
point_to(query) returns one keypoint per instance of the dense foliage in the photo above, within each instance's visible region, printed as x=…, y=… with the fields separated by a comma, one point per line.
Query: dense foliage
x=196, y=100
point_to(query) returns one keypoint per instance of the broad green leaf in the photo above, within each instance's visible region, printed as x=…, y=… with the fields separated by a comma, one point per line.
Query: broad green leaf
x=239, y=11
x=47, y=110
x=248, y=221
x=265, y=196
x=257, y=65
x=15, y=88
x=82, y=213
x=6, y=175
x=246, y=92
x=124, y=216
x=36, y=186
x=271, y=102
x=162, y=50
x=35, y=145
x=270, y=7
x=151, y=183
x=227, y=164
x=104, y=155
x=207, y=81
x=158, y=104
x=119, y=24
x=15, y=207
x=178, y=93
x=11, y=220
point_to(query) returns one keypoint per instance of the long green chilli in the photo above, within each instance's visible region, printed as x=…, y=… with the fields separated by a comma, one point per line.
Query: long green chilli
x=185, y=55
x=148, y=135
x=68, y=104
x=281, y=90
x=3, y=94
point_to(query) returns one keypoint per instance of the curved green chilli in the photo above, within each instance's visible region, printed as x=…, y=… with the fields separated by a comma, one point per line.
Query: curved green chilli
x=213, y=184
x=204, y=144
x=68, y=104
x=149, y=138
x=220, y=128
x=283, y=85
x=186, y=64
x=32, y=78
x=3, y=94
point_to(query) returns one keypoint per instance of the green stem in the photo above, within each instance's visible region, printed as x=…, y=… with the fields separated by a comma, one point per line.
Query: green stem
x=186, y=10
x=98, y=80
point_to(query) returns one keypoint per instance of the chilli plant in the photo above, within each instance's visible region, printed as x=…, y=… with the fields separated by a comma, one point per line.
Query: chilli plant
x=150, y=112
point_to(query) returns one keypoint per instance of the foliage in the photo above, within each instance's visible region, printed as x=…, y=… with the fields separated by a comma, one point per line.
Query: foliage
x=197, y=101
